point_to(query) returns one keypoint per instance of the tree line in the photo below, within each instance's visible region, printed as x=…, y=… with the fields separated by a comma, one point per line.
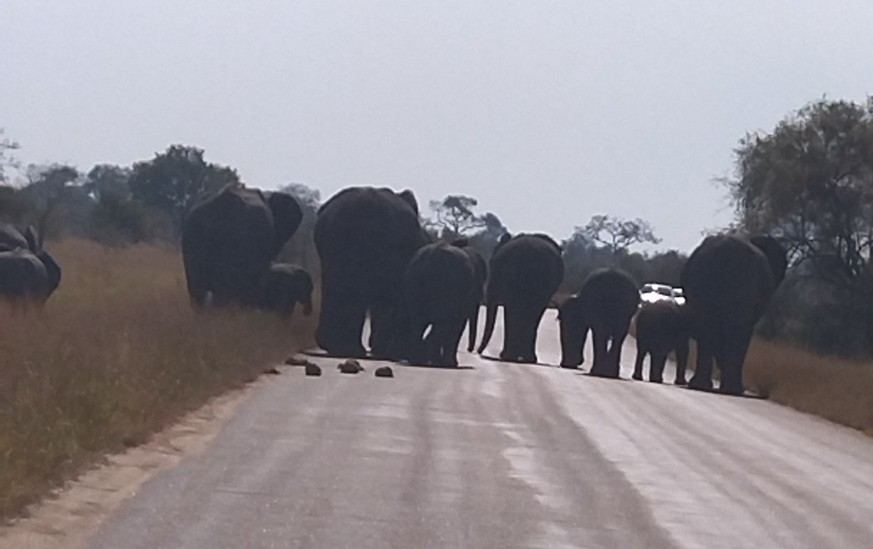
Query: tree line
x=808, y=182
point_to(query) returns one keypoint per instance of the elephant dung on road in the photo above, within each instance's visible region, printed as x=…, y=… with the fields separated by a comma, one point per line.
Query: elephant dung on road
x=605, y=304
x=661, y=327
x=365, y=238
x=524, y=272
x=728, y=283
x=440, y=290
x=283, y=286
x=229, y=238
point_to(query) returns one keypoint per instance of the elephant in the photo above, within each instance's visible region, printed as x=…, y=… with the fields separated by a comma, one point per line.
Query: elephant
x=480, y=266
x=283, y=286
x=365, y=238
x=605, y=304
x=524, y=272
x=229, y=238
x=440, y=289
x=11, y=238
x=728, y=283
x=27, y=272
x=661, y=326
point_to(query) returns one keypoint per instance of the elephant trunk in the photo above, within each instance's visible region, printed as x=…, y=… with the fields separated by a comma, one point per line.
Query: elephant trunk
x=307, y=307
x=490, y=318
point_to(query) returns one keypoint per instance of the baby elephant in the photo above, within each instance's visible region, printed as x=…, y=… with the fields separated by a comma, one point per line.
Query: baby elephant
x=283, y=286
x=662, y=326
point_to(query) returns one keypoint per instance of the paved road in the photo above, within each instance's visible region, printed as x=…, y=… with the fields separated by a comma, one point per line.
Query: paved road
x=503, y=455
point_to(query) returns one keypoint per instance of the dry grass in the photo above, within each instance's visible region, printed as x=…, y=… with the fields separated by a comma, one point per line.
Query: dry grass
x=835, y=389
x=115, y=355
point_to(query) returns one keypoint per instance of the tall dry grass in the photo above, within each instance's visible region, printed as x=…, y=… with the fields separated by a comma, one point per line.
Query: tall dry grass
x=115, y=355
x=836, y=389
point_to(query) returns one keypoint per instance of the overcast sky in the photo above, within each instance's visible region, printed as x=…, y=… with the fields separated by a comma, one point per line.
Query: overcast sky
x=547, y=112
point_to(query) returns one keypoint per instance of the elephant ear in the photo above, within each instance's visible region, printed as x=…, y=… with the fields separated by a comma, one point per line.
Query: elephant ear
x=409, y=197
x=775, y=254
x=287, y=216
x=31, y=238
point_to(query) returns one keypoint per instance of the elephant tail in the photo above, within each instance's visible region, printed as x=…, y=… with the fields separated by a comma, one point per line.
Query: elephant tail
x=490, y=318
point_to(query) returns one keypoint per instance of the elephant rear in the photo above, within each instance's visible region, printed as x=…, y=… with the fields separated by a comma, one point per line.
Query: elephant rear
x=365, y=238
x=229, y=239
x=23, y=277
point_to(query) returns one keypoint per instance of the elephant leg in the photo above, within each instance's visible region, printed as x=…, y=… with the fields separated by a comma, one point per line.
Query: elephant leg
x=416, y=348
x=529, y=336
x=601, y=360
x=510, y=333
x=451, y=338
x=342, y=316
x=656, y=369
x=730, y=360
x=681, y=362
x=473, y=324
x=615, y=353
x=638, y=364
x=702, y=378
x=384, y=326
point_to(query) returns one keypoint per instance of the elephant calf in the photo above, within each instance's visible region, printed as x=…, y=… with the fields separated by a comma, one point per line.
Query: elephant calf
x=283, y=287
x=439, y=291
x=662, y=326
x=605, y=304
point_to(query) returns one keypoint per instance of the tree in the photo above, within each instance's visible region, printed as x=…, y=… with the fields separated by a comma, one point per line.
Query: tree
x=106, y=180
x=51, y=193
x=455, y=216
x=6, y=159
x=173, y=179
x=617, y=234
x=810, y=181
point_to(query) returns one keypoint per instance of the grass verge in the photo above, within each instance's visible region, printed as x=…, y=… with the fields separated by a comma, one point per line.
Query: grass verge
x=835, y=389
x=115, y=355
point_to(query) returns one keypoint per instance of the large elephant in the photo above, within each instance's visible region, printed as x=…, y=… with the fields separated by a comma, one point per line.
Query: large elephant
x=661, y=327
x=283, y=286
x=480, y=266
x=728, y=283
x=439, y=292
x=28, y=274
x=229, y=239
x=524, y=273
x=365, y=238
x=605, y=304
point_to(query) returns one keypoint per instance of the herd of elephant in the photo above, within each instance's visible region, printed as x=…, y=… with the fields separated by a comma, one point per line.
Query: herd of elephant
x=378, y=262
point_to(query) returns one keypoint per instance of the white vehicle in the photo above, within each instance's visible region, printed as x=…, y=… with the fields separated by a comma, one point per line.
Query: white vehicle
x=679, y=296
x=651, y=292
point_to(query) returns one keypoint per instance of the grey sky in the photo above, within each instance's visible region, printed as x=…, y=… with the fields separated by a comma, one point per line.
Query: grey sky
x=547, y=112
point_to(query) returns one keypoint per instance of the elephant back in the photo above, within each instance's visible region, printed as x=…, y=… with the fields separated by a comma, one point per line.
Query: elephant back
x=729, y=279
x=528, y=264
x=610, y=296
x=371, y=225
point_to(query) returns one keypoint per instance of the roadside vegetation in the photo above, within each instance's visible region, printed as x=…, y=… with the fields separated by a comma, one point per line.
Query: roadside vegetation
x=840, y=390
x=115, y=355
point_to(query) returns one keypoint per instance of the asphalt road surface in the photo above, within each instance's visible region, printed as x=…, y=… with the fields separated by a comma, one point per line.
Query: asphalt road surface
x=501, y=455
